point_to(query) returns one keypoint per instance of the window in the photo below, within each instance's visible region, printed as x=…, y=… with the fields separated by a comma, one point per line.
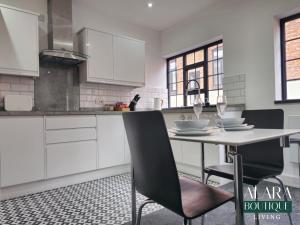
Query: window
x=290, y=57
x=205, y=65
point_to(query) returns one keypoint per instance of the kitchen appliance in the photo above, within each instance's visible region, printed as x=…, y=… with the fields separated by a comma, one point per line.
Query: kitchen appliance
x=18, y=103
x=60, y=35
x=133, y=102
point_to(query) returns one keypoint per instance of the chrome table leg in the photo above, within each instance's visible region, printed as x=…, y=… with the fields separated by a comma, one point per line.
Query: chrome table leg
x=202, y=163
x=133, y=198
x=238, y=188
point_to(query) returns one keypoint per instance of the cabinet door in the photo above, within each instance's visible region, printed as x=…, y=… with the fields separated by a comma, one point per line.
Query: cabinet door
x=191, y=154
x=22, y=150
x=100, y=52
x=110, y=140
x=129, y=60
x=18, y=42
x=177, y=151
x=70, y=158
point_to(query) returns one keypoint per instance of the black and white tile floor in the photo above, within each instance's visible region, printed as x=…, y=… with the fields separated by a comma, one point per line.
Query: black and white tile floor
x=104, y=201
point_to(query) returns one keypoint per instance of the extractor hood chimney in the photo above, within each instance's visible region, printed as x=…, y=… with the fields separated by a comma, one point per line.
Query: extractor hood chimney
x=60, y=35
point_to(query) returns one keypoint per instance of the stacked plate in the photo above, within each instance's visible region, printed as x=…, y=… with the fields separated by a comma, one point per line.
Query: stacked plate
x=192, y=128
x=234, y=124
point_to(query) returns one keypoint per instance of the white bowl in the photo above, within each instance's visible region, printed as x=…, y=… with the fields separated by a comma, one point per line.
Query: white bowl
x=194, y=124
x=230, y=121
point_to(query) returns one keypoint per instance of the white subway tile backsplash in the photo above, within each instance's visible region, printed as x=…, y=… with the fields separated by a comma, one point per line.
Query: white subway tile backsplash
x=234, y=89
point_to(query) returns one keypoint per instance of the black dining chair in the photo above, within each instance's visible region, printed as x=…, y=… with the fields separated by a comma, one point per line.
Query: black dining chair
x=260, y=160
x=155, y=172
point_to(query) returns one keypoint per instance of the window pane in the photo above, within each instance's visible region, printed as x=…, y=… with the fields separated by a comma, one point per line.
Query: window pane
x=172, y=65
x=220, y=50
x=215, y=82
x=179, y=63
x=199, y=56
x=180, y=101
x=190, y=59
x=172, y=77
x=213, y=95
x=173, y=89
x=199, y=72
x=191, y=74
x=180, y=88
x=191, y=98
x=212, y=52
x=293, y=88
x=179, y=75
x=293, y=69
x=293, y=49
x=173, y=101
x=292, y=29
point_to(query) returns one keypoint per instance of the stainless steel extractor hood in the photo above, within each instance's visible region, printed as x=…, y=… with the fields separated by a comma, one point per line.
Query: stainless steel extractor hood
x=60, y=35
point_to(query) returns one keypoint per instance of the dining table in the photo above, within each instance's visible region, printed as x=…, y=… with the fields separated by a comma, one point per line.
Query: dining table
x=234, y=139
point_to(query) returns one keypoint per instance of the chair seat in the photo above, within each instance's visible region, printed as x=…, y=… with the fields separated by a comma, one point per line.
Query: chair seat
x=198, y=198
x=252, y=174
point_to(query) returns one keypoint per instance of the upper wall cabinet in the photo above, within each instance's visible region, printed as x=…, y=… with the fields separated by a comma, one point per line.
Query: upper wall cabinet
x=112, y=59
x=18, y=42
x=99, y=47
x=129, y=60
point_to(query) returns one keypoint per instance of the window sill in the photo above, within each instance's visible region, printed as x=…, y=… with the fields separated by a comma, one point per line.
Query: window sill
x=239, y=107
x=291, y=101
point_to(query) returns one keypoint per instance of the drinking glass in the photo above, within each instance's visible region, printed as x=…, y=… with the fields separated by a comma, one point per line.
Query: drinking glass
x=221, y=108
x=198, y=105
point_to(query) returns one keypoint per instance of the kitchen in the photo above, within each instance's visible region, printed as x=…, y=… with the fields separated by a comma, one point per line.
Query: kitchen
x=58, y=124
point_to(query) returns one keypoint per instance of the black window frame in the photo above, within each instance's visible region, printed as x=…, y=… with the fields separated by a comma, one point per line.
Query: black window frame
x=185, y=68
x=283, y=42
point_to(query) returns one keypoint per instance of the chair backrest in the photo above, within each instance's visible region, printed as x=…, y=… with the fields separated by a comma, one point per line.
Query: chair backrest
x=155, y=172
x=268, y=153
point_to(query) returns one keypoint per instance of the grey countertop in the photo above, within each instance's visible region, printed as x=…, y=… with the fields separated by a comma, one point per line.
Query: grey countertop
x=100, y=112
x=53, y=113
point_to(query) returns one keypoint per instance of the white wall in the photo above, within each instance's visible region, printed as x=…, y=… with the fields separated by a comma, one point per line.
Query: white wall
x=247, y=28
x=85, y=16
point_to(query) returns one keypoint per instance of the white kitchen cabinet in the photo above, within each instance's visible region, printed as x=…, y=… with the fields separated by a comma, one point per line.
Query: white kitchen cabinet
x=177, y=150
x=112, y=59
x=129, y=60
x=191, y=154
x=99, y=48
x=19, y=42
x=110, y=140
x=71, y=158
x=21, y=150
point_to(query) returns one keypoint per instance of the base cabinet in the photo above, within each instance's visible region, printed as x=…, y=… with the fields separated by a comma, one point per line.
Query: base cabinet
x=21, y=149
x=111, y=137
x=71, y=158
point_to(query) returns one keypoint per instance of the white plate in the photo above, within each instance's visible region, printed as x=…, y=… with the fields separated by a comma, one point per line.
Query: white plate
x=249, y=127
x=230, y=121
x=175, y=129
x=233, y=125
x=192, y=133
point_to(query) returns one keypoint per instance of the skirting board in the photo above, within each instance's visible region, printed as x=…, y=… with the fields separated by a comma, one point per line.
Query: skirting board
x=44, y=185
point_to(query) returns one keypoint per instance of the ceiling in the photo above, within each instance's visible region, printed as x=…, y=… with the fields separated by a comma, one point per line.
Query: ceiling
x=163, y=14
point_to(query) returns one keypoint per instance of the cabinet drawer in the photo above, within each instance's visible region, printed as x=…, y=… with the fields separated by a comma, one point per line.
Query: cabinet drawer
x=70, y=135
x=71, y=158
x=69, y=122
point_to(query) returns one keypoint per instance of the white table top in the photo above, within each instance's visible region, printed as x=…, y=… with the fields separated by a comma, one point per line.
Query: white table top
x=237, y=138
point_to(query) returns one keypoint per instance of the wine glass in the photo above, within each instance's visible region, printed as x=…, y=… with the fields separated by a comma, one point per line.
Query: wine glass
x=197, y=106
x=221, y=108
